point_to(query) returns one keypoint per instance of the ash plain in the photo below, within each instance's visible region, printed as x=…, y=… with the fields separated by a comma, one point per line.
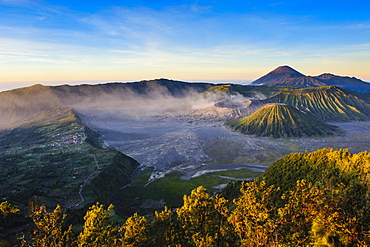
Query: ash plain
x=194, y=143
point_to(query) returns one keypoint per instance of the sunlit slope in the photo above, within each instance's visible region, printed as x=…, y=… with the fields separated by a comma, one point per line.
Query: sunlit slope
x=327, y=103
x=54, y=115
x=323, y=167
x=20, y=104
x=276, y=120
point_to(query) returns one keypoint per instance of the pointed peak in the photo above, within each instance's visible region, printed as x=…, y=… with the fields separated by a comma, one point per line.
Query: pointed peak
x=285, y=69
x=278, y=75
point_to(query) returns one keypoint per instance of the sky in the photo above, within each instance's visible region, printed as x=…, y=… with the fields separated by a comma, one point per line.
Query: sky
x=74, y=42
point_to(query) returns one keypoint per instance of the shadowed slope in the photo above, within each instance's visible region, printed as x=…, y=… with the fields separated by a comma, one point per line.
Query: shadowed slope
x=306, y=81
x=350, y=83
x=20, y=104
x=278, y=75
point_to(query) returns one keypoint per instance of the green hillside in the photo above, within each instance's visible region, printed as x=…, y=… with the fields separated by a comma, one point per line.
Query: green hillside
x=327, y=103
x=276, y=120
x=328, y=169
x=51, y=157
x=324, y=168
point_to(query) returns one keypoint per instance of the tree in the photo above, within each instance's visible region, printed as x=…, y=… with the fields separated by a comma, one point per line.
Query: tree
x=96, y=230
x=134, y=231
x=7, y=208
x=204, y=218
x=49, y=229
x=253, y=217
x=165, y=229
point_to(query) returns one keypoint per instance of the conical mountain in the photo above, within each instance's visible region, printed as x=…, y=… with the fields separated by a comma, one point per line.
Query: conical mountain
x=277, y=120
x=278, y=75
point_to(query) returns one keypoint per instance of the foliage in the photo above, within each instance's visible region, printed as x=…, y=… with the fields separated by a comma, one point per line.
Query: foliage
x=203, y=218
x=49, y=229
x=7, y=208
x=134, y=231
x=252, y=218
x=314, y=208
x=96, y=230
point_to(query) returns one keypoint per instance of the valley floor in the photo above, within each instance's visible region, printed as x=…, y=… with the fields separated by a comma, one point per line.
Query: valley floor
x=196, y=148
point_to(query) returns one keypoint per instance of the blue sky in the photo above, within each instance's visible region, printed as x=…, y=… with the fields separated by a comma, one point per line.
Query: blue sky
x=56, y=42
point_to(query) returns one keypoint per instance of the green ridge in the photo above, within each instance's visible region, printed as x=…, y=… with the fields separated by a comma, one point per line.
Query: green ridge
x=327, y=103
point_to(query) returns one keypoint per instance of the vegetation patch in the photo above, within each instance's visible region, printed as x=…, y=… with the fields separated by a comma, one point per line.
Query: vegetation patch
x=64, y=166
x=170, y=189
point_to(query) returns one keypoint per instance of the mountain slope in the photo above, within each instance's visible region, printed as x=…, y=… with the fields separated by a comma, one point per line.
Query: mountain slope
x=306, y=81
x=50, y=156
x=54, y=115
x=20, y=104
x=278, y=75
x=119, y=91
x=276, y=120
x=326, y=103
x=350, y=83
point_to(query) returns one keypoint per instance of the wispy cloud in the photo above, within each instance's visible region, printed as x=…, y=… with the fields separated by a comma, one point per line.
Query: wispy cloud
x=175, y=37
x=360, y=26
x=274, y=4
x=16, y=2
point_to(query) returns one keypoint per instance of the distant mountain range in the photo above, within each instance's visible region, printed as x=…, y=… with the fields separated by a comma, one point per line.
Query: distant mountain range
x=287, y=76
x=317, y=97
